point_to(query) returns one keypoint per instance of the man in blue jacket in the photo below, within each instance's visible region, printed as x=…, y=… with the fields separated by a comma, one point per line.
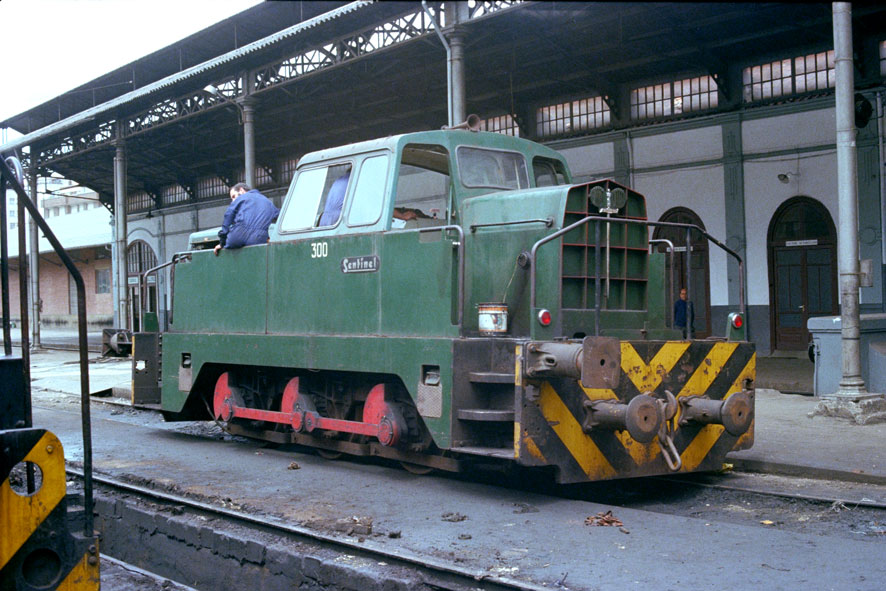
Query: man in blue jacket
x=247, y=219
x=684, y=315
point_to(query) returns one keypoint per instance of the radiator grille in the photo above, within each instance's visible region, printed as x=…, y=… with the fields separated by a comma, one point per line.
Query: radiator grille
x=628, y=254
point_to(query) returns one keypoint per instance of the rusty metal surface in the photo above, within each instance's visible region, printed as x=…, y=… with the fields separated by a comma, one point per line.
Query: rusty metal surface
x=595, y=434
x=601, y=362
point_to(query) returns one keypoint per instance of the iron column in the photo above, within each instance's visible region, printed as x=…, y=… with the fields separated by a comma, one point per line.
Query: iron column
x=247, y=107
x=852, y=383
x=34, y=261
x=121, y=312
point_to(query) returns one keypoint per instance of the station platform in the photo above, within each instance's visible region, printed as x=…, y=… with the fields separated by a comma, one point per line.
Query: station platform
x=788, y=440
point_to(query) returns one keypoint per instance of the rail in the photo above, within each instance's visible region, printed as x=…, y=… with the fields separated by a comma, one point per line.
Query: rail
x=669, y=321
x=142, y=284
x=460, y=245
x=597, y=220
x=548, y=222
x=7, y=177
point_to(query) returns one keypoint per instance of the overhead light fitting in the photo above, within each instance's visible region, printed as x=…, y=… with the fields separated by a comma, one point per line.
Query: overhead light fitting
x=786, y=177
x=211, y=89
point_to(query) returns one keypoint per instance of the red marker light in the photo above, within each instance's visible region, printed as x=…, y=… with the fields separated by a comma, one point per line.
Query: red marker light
x=544, y=318
x=737, y=321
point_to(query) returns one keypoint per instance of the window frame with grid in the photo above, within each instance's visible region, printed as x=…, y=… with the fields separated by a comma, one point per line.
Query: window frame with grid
x=789, y=76
x=103, y=281
x=138, y=201
x=675, y=97
x=503, y=124
x=574, y=116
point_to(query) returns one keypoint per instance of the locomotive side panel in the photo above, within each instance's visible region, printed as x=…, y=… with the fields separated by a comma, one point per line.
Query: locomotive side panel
x=419, y=283
x=311, y=292
x=228, y=293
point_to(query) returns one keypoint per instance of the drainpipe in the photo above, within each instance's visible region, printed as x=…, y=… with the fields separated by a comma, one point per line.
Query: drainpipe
x=851, y=384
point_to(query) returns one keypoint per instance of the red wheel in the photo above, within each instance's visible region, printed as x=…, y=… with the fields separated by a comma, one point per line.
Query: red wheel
x=378, y=411
x=223, y=399
x=296, y=405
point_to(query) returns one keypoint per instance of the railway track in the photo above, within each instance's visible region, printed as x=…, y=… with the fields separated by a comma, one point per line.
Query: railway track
x=853, y=498
x=529, y=522
x=754, y=501
x=432, y=573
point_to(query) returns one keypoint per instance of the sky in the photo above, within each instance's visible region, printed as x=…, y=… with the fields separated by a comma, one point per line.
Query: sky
x=52, y=46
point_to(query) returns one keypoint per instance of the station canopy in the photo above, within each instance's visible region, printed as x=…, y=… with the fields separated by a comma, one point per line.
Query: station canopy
x=331, y=73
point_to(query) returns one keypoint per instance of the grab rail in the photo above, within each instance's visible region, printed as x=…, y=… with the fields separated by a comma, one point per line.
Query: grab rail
x=597, y=220
x=6, y=176
x=670, y=292
x=142, y=280
x=461, y=267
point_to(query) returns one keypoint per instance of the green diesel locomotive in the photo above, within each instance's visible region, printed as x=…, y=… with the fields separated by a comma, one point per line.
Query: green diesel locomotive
x=461, y=300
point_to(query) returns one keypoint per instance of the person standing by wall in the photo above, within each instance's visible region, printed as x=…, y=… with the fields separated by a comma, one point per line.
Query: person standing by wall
x=247, y=219
x=684, y=315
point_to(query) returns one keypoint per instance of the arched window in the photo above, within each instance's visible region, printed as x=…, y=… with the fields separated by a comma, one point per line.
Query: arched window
x=139, y=258
x=699, y=286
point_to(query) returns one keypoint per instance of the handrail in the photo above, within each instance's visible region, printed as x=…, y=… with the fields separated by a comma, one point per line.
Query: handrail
x=6, y=176
x=548, y=222
x=461, y=266
x=142, y=280
x=670, y=290
x=597, y=219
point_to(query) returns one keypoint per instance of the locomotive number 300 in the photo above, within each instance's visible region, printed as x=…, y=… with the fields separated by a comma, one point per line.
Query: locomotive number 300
x=319, y=250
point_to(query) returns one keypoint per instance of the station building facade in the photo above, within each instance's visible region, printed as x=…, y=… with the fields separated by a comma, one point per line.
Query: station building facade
x=762, y=178
x=744, y=148
x=82, y=225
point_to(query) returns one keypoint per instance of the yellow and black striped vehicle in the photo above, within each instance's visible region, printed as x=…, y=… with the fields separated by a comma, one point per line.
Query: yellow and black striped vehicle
x=47, y=537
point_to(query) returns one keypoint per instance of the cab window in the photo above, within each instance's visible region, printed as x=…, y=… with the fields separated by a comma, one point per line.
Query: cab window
x=548, y=172
x=423, y=187
x=369, y=193
x=317, y=198
x=492, y=169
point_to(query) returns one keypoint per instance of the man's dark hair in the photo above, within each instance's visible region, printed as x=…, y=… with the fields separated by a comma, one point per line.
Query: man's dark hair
x=236, y=188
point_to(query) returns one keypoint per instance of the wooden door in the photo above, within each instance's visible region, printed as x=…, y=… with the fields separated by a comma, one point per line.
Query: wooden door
x=803, y=271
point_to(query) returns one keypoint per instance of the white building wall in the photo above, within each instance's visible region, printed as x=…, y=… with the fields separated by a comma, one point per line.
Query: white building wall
x=794, y=130
x=588, y=162
x=680, y=147
x=701, y=190
x=764, y=193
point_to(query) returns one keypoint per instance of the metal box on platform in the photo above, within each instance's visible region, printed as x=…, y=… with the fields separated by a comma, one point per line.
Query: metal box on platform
x=826, y=336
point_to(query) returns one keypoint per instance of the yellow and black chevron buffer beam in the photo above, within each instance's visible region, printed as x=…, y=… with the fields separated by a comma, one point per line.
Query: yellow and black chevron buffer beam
x=638, y=409
x=42, y=543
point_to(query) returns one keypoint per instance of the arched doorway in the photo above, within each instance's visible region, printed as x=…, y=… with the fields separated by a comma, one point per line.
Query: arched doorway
x=801, y=246
x=139, y=258
x=699, y=288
